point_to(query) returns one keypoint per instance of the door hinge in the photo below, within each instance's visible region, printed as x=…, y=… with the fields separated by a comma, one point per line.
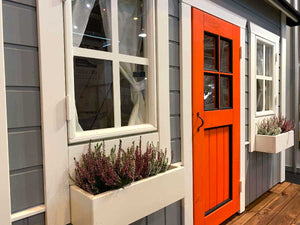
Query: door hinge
x=68, y=109
x=241, y=52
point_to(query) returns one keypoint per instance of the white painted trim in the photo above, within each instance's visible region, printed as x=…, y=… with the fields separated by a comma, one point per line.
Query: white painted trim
x=28, y=213
x=283, y=87
x=53, y=111
x=242, y=122
x=4, y=162
x=217, y=11
x=257, y=33
x=186, y=108
x=162, y=62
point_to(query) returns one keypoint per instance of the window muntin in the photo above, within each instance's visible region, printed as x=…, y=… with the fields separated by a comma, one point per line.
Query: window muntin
x=130, y=48
x=265, y=61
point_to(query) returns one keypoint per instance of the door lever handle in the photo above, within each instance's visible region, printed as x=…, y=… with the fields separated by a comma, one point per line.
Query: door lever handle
x=198, y=115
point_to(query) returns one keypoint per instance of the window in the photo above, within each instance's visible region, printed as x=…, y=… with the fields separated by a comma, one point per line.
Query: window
x=110, y=68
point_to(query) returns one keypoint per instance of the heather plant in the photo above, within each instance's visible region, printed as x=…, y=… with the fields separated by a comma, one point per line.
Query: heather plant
x=275, y=125
x=98, y=172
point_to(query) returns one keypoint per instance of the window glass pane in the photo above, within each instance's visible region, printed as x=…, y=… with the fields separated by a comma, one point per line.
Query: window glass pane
x=133, y=82
x=260, y=58
x=92, y=24
x=132, y=27
x=268, y=60
x=225, y=55
x=210, y=92
x=210, y=52
x=259, y=95
x=268, y=94
x=226, y=90
x=93, y=93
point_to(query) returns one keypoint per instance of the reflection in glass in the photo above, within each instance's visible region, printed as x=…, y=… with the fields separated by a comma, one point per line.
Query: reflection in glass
x=92, y=24
x=225, y=94
x=132, y=27
x=269, y=60
x=210, y=92
x=210, y=52
x=93, y=93
x=268, y=94
x=259, y=95
x=133, y=82
x=260, y=58
x=225, y=55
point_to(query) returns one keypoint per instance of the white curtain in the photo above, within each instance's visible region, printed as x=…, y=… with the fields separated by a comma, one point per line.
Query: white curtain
x=129, y=44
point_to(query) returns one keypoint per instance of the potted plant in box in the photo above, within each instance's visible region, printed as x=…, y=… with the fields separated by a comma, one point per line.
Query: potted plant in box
x=123, y=186
x=274, y=135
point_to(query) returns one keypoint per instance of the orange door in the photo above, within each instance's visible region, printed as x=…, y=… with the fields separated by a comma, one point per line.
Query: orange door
x=216, y=118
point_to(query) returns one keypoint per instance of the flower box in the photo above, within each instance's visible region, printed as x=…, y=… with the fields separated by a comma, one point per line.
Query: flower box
x=129, y=204
x=274, y=144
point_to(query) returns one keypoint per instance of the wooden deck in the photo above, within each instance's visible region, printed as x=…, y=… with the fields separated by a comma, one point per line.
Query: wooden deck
x=280, y=205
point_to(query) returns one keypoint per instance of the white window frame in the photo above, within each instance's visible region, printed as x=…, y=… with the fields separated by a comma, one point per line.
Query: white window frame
x=116, y=58
x=259, y=34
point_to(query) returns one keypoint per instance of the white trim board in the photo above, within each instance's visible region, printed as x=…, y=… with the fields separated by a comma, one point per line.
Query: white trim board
x=186, y=95
x=5, y=209
x=217, y=11
x=263, y=33
x=28, y=213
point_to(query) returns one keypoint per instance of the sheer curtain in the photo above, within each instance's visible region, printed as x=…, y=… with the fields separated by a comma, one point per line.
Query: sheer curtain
x=129, y=42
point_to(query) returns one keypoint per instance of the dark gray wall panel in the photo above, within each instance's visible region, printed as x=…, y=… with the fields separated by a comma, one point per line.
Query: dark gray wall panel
x=23, y=109
x=175, y=125
x=25, y=149
x=157, y=218
x=140, y=222
x=19, y=24
x=21, y=66
x=33, y=220
x=174, y=78
x=26, y=189
x=25, y=2
x=173, y=29
x=174, y=214
x=174, y=103
x=176, y=150
x=173, y=54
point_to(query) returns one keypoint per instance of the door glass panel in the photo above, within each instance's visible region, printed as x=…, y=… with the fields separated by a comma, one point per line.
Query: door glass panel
x=269, y=60
x=132, y=27
x=269, y=93
x=226, y=90
x=210, y=52
x=210, y=92
x=133, y=82
x=91, y=24
x=93, y=93
x=260, y=58
x=259, y=95
x=225, y=55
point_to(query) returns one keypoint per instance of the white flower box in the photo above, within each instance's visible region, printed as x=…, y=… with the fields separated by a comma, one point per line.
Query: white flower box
x=274, y=144
x=129, y=204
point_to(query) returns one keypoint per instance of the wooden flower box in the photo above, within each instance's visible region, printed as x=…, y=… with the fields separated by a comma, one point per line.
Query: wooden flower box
x=274, y=144
x=129, y=204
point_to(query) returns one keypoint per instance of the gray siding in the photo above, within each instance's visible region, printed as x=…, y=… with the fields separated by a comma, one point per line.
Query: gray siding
x=262, y=169
x=23, y=107
x=171, y=215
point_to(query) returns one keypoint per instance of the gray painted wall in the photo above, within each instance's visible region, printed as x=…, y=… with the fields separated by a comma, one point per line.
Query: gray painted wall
x=23, y=107
x=171, y=215
x=262, y=169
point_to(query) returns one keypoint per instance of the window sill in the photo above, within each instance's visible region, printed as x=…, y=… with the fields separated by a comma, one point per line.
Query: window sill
x=265, y=113
x=111, y=133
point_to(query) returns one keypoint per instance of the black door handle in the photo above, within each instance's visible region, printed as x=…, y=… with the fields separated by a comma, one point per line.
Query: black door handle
x=198, y=115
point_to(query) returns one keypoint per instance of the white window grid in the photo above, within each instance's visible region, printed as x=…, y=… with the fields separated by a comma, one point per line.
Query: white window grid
x=115, y=57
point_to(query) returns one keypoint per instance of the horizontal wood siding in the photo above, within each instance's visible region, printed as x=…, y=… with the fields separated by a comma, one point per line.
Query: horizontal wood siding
x=23, y=107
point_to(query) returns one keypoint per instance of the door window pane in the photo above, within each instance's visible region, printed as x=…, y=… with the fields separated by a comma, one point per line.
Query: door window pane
x=210, y=92
x=268, y=94
x=226, y=90
x=92, y=24
x=133, y=82
x=225, y=55
x=210, y=52
x=260, y=58
x=259, y=95
x=132, y=27
x=268, y=60
x=93, y=93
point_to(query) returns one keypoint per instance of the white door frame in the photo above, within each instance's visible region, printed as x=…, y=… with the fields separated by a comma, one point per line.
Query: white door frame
x=186, y=94
x=5, y=209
